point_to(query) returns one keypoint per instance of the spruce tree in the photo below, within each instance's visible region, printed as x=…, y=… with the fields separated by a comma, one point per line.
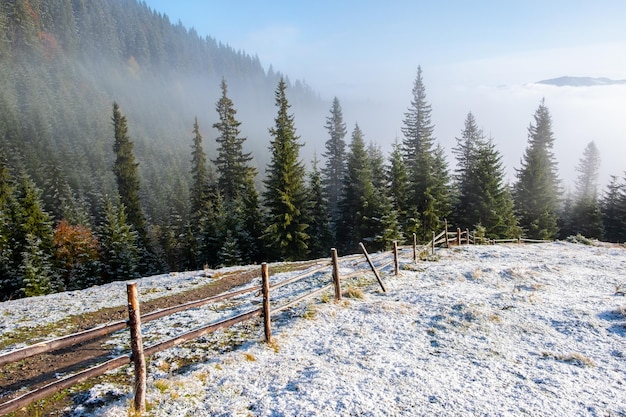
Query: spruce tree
x=613, y=206
x=586, y=216
x=482, y=197
x=125, y=170
x=318, y=216
x=537, y=190
x=119, y=252
x=424, y=162
x=334, y=170
x=398, y=180
x=285, y=196
x=199, y=175
x=8, y=274
x=236, y=182
x=232, y=163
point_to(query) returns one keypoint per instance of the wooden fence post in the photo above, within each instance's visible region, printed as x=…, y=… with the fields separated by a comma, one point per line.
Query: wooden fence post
x=336, y=280
x=458, y=236
x=136, y=345
x=414, y=248
x=266, y=302
x=446, y=235
x=369, y=261
x=467, y=235
x=432, y=244
x=396, y=261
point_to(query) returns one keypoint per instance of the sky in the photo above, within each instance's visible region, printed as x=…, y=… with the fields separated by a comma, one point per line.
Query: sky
x=480, y=56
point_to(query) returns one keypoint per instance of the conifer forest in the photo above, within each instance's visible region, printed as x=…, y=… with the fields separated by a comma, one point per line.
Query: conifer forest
x=116, y=162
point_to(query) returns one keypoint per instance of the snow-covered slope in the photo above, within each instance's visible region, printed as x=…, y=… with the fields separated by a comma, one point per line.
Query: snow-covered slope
x=486, y=330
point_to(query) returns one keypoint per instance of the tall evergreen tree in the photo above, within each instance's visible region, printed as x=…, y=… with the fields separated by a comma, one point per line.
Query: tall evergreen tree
x=118, y=245
x=285, y=196
x=334, y=170
x=125, y=170
x=318, y=216
x=32, y=242
x=8, y=275
x=232, y=163
x=424, y=162
x=537, y=190
x=199, y=175
x=587, y=217
x=236, y=183
x=358, y=188
x=482, y=197
x=398, y=180
x=613, y=205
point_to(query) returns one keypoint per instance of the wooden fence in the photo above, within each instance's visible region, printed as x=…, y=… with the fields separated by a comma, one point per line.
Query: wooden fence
x=139, y=352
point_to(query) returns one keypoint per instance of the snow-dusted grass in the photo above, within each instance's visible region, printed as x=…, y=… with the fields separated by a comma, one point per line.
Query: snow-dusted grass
x=487, y=330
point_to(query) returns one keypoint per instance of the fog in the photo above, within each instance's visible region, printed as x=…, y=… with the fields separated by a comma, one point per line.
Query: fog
x=579, y=115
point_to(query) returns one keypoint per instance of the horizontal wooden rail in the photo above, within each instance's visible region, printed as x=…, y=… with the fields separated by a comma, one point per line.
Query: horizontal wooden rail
x=61, y=342
x=56, y=386
x=303, y=297
x=299, y=277
x=201, y=331
x=87, y=335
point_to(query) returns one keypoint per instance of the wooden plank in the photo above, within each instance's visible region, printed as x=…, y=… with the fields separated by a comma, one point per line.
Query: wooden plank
x=201, y=331
x=302, y=298
x=67, y=382
x=299, y=277
x=369, y=260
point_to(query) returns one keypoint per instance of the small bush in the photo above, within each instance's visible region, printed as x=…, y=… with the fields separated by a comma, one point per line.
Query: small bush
x=580, y=239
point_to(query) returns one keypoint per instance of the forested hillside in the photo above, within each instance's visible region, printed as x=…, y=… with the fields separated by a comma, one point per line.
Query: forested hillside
x=63, y=63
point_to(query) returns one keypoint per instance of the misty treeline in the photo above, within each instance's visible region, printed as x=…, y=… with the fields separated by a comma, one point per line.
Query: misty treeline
x=85, y=200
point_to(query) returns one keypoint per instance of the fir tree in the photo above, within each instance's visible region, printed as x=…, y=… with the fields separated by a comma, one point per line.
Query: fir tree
x=586, y=216
x=8, y=273
x=318, y=216
x=537, y=189
x=125, y=170
x=236, y=181
x=334, y=170
x=398, y=180
x=232, y=163
x=613, y=206
x=199, y=175
x=424, y=162
x=119, y=252
x=482, y=197
x=32, y=241
x=36, y=273
x=285, y=195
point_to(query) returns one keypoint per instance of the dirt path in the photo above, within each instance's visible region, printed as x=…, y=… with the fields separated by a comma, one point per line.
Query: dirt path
x=40, y=370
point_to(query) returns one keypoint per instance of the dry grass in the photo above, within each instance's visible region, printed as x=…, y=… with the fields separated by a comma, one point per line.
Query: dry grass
x=575, y=358
x=354, y=292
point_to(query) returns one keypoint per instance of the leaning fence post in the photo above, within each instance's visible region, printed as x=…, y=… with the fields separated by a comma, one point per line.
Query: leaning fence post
x=266, y=302
x=136, y=345
x=369, y=261
x=396, y=261
x=414, y=248
x=336, y=281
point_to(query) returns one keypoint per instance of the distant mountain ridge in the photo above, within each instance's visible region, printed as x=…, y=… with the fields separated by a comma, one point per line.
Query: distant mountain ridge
x=568, y=81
